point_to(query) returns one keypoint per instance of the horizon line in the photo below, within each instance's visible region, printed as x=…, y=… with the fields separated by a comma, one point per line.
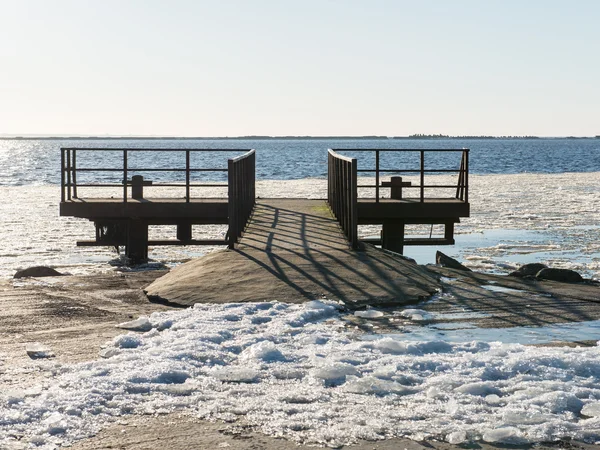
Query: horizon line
x=265, y=137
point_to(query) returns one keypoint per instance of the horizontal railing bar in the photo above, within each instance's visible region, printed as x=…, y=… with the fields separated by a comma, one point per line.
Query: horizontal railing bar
x=115, y=149
x=129, y=169
x=342, y=157
x=245, y=155
x=426, y=186
x=190, y=185
x=400, y=149
x=407, y=170
x=120, y=185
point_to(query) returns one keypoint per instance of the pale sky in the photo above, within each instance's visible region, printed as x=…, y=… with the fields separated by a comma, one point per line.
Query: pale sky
x=338, y=67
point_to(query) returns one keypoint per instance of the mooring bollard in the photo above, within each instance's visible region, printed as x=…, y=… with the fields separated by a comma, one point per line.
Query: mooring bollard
x=137, y=186
x=396, y=184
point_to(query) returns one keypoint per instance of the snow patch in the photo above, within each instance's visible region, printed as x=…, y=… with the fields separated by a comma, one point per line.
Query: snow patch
x=303, y=376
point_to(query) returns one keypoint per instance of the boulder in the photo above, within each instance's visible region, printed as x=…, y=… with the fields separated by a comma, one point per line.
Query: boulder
x=528, y=270
x=562, y=275
x=37, y=271
x=451, y=263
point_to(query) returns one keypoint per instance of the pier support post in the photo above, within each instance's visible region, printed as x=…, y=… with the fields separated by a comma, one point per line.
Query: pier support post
x=449, y=232
x=392, y=236
x=137, y=242
x=184, y=231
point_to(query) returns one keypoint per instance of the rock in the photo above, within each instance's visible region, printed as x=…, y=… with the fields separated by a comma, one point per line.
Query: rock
x=38, y=271
x=562, y=275
x=528, y=270
x=451, y=263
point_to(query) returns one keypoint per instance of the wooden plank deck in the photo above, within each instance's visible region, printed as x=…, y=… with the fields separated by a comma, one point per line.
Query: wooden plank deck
x=292, y=224
x=294, y=250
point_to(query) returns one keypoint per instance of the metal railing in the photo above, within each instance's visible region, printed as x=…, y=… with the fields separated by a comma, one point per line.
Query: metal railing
x=462, y=186
x=70, y=170
x=242, y=194
x=342, y=193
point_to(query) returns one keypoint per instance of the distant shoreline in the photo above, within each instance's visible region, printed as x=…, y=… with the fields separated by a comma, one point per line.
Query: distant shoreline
x=313, y=138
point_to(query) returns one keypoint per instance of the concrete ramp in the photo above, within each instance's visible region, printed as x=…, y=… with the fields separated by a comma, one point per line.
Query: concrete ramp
x=293, y=250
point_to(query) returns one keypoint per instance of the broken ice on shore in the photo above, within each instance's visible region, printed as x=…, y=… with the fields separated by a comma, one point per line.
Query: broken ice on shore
x=296, y=371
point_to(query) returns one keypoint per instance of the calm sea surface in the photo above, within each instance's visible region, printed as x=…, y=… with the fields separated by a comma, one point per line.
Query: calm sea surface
x=38, y=161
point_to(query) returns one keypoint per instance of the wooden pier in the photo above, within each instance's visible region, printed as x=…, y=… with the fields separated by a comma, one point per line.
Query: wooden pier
x=123, y=220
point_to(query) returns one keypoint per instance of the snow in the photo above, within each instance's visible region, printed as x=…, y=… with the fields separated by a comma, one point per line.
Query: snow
x=307, y=375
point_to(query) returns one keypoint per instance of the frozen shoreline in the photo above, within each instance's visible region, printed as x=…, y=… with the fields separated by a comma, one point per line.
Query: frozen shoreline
x=301, y=372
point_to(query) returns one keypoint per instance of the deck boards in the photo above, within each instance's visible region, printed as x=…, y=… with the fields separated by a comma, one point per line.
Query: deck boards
x=294, y=250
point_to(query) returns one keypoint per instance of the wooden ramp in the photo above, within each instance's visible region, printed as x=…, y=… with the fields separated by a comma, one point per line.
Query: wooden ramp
x=293, y=250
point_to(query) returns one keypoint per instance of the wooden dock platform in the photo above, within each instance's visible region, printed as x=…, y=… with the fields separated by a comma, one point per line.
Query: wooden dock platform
x=123, y=220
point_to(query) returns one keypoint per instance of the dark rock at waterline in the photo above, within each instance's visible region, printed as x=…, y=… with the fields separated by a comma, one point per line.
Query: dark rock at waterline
x=528, y=270
x=451, y=263
x=38, y=271
x=562, y=275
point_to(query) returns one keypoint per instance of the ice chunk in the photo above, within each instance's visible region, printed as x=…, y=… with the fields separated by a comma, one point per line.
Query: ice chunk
x=396, y=347
x=480, y=389
x=372, y=385
x=263, y=351
x=369, y=314
x=506, y=435
x=140, y=324
x=109, y=352
x=13, y=397
x=179, y=389
x=591, y=410
x=55, y=424
x=37, y=350
x=259, y=320
x=493, y=399
x=313, y=311
x=164, y=324
x=33, y=391
x=416, y=315
x=333, y=373
x=457, y=437
x=236, y=374
x=525, y=417
x=558, y=402
x=127, y=341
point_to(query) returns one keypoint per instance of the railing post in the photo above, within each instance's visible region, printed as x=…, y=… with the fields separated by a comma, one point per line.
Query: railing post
x=187, y=176
x=68, y=174
x=459, y=185
x=62, y=175
x=74, y=173
x=124, y=176
x=377, y=176
x=467, y=176
x=354, y=203
x=422, y=176
x=231, y=203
